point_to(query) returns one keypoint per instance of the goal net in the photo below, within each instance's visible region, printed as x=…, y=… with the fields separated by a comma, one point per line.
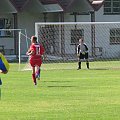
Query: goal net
x=60, y=41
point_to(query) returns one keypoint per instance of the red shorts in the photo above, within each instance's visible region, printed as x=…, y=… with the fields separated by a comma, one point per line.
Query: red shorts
x=35, y=62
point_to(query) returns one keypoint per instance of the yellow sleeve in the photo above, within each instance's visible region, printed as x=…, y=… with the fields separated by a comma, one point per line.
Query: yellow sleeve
x=5, y=61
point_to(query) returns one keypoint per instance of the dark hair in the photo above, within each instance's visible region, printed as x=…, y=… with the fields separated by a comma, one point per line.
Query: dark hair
x=34, y=38
x=81, y=37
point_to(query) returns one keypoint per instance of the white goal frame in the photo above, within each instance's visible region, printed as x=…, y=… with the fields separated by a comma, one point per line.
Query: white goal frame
x=96, y=35
x=20, y=32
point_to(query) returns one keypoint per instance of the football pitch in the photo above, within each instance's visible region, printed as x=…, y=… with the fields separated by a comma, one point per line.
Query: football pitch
x=62, y=94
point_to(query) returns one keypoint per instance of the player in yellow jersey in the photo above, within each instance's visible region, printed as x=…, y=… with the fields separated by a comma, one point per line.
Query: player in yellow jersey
x=4, y=66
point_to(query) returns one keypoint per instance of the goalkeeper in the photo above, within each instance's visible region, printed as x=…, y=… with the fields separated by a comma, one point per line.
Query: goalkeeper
x=82, y=53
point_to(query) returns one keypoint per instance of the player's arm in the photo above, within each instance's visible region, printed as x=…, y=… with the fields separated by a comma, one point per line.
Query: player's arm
x=42, y=51
x=30, y=52
x=78, y=50
x=86, y=48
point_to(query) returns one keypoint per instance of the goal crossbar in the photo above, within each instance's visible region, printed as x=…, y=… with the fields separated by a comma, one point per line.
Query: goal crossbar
x=73, y=23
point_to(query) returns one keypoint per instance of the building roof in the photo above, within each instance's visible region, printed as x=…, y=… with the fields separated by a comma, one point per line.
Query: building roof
x=74, y=6
x=7, y=7
x=96, y=4
x=33, y=6
x=24, y=4
x=65, y=4
x=52, y=8
x=19, y=4
x=49, y=1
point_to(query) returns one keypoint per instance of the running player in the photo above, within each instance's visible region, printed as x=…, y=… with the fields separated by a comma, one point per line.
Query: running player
x=35, y=53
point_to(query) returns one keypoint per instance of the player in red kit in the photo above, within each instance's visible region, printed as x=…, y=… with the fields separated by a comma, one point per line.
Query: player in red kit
x=35, y=53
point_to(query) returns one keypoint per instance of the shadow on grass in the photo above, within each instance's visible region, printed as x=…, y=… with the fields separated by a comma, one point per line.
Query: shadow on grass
x=58, y=81
x=98, y=69
x=61, y=86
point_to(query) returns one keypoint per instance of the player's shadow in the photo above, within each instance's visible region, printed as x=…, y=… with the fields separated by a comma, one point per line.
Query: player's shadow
x=60, y=86
x=57, y=81
x=98, y=69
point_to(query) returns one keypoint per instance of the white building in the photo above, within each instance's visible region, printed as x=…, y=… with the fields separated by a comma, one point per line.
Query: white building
x=15, y=14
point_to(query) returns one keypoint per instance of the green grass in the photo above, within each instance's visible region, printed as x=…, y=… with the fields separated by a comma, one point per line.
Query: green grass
x=62, y=94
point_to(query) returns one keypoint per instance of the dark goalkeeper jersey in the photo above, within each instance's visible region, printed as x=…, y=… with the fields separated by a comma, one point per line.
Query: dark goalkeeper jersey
x=82, y=48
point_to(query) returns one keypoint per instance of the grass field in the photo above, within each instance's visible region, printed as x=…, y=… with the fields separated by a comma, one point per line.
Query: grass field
x=62, y=94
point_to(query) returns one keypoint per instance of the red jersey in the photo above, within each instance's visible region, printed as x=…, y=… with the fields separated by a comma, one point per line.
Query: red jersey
x=38, y=50
x=35, y=59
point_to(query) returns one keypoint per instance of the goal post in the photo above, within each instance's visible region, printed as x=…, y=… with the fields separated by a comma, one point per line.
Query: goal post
x=23, y=41
x=60, y=40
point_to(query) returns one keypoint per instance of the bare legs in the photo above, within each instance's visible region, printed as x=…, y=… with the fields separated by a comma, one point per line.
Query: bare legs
x=33, y=75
